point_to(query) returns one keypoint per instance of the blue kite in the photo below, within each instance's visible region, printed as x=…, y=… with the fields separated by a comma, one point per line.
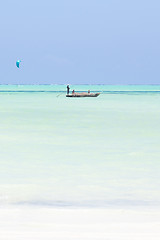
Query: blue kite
x=18, y=63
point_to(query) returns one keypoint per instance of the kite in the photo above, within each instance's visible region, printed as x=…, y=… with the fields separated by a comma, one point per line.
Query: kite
x=18, y=63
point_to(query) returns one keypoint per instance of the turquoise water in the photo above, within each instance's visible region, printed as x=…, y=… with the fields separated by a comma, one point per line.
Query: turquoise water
x=88, y=151
x=62, y=88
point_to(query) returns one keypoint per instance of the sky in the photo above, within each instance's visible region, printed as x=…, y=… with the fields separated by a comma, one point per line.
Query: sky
x=80, y=42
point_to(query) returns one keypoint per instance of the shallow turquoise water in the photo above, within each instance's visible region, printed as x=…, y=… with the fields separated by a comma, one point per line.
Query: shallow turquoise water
x=87, y=151
x=62, y=88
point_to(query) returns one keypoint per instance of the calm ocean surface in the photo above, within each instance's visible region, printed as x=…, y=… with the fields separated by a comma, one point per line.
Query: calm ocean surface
x=59, y=151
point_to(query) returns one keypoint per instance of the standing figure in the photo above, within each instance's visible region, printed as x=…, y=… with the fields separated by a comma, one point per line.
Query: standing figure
x=68, y=89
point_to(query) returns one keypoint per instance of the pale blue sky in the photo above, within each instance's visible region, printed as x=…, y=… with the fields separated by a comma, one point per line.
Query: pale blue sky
x=77, y=42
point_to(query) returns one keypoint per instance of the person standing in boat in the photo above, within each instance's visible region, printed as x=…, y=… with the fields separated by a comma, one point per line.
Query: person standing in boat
x=68, y=89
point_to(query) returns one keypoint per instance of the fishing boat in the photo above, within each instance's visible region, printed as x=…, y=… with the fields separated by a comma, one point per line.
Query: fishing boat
x=83, y=94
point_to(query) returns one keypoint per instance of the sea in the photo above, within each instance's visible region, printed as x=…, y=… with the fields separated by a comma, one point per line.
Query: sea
x=80, y=152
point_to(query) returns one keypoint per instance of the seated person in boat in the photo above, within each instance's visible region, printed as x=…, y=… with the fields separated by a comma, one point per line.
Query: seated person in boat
x=73, y=92
x=88, y=91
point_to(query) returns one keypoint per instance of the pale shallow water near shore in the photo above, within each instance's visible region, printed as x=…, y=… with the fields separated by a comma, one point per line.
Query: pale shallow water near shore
x=80, y=152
